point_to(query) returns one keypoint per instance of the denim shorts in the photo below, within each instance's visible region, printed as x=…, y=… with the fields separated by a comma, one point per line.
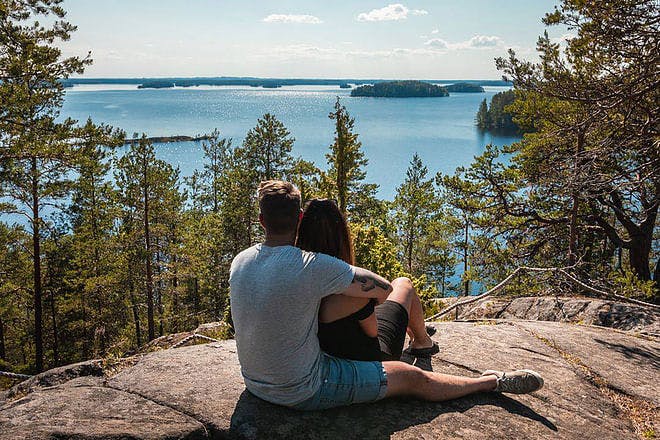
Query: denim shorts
x=344, y=382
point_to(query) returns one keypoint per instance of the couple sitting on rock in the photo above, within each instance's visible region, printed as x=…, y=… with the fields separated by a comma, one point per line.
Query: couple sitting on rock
x=313, y=331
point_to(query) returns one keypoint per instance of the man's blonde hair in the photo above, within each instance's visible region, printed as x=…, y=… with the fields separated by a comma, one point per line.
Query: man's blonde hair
x=279, y=204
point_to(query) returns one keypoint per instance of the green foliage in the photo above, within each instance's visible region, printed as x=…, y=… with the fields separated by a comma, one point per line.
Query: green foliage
x=206, y=184
x=38, y=153
x=345, y=174
x=591, y=168
x=307, y=178
x=116, y=258
x=401, y=89
x=375, y=252
x=498, y=117
x=627, y=283
x=463, y=87
x=267, y=148
x=414, y=207
x=152, y=202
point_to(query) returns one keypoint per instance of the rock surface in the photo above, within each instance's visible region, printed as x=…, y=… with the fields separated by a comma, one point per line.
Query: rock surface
x=85, y=410
x=594, y=378
x=618, y=315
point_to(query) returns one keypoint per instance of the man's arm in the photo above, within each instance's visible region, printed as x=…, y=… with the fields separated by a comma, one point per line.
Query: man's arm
x=367, y=284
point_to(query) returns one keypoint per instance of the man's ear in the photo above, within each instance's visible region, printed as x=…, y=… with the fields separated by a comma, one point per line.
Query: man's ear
x=300, y=214
x=261, y=220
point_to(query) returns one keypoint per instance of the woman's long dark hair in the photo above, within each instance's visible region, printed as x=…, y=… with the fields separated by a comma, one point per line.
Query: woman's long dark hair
x=324, y=229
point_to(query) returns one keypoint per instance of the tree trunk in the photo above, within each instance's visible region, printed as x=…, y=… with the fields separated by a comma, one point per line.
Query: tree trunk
x=136, y=315
x=2, y=340
x=36, y=263
x=56, y=356
x=341, y=177
x=147, y=247
x=640, y=249
x=466, y=286
x=159, y=296
x=175, y=297
x=572, y=231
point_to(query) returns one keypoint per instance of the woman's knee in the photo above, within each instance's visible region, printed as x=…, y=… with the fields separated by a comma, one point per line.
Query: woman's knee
x=403, y=283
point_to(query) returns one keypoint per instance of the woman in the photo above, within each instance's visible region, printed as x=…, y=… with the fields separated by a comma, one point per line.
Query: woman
x=358, y=328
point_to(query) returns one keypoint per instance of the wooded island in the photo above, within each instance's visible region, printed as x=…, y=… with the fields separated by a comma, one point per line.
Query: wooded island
x=401, y=89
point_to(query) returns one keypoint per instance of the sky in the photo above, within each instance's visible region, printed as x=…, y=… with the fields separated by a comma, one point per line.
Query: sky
x=417, y=39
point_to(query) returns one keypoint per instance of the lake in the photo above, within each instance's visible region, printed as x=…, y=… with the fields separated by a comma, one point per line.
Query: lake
x=440, y=130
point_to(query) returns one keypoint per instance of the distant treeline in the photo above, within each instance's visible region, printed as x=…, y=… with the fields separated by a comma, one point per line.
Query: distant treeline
x=168, y=139
x=249, y=81
x=401, y=89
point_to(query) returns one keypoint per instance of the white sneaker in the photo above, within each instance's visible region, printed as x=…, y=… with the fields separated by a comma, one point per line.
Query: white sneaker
x=516, y=382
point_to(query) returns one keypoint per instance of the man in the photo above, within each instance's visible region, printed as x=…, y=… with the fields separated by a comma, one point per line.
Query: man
x=276, y=290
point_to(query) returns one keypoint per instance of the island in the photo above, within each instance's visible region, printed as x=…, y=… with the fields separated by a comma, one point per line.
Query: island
x=497, y=117
x=401, y=89
x=464, y=87
x=157, y=84
x=168, y=139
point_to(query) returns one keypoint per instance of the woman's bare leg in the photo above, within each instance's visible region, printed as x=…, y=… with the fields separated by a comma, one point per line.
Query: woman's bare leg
x=405, y=294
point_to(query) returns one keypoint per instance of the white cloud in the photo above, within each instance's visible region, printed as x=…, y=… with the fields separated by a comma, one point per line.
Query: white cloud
x=291, y=18
x=437, y=43
x=391, y=12
x=484, y=41
x=476, y=42
x=435, y=31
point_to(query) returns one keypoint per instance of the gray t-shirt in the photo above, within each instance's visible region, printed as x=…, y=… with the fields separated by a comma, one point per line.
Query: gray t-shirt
x=275, y=297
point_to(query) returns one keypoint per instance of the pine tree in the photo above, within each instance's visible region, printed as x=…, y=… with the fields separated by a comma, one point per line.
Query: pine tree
x=414, y=208
x=206, y=183
x=483, y=119
x=346, y=164
x=98, y=296
x=149, y=193
x=36, y=158
x=607, y=76
x=267, y=148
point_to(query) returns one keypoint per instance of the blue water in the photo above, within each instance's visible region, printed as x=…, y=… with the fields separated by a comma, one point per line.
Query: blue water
x=440, y=130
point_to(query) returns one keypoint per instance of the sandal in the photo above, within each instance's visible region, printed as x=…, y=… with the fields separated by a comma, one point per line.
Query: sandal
x=423, y=352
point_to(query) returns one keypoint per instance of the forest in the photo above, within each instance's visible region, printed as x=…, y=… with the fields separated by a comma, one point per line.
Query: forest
x=463, y=87
x=113, y=248
x=496, y=117
x=401, y=89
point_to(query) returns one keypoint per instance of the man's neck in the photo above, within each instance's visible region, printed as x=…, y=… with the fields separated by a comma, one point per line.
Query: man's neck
x=279, y=240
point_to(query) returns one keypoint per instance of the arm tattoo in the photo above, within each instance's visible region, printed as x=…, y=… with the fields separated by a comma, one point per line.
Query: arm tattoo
x=369, y=283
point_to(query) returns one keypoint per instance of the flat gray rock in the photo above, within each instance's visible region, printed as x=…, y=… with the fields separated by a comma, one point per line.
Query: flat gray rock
x=202, y=385
x=602, y=350
x=605, y=313
x=80, y=411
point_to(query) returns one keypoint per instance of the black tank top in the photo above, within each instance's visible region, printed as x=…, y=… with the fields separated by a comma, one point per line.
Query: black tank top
x=344, y=338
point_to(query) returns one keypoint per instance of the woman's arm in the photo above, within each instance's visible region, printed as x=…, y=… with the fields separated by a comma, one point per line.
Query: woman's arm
x=370, y=326
x=336, y=307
